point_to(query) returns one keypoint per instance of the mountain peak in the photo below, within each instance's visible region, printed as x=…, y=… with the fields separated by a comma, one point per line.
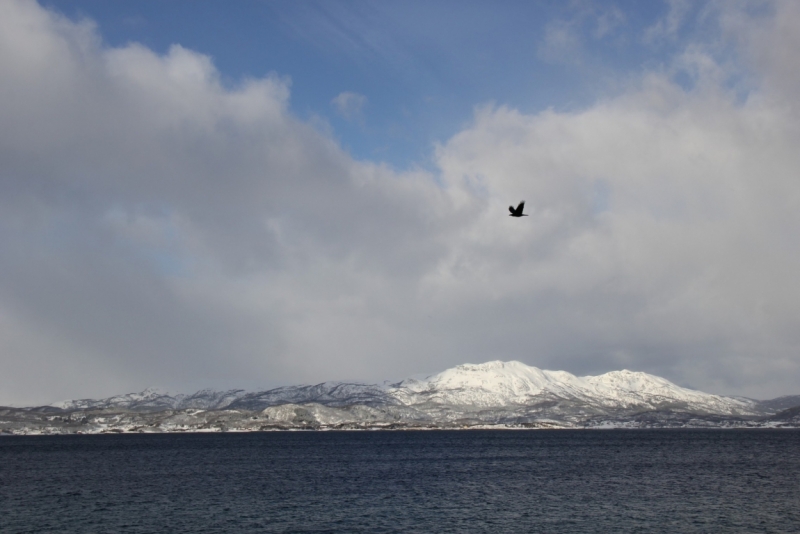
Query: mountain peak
x=498, y=384
x=494, y=364
x=491, y=385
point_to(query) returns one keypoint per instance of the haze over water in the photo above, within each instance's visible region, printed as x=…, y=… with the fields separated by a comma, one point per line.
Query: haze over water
x=441, y=481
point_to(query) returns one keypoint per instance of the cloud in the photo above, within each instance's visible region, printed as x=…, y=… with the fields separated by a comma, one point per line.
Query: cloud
x=349, y=105
x=564, y=39
x=608, y=20
x=166, y=229
x=561, y=43
x=161, y=228
x=668, y=27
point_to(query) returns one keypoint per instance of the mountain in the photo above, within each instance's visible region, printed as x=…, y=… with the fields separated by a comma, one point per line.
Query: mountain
x=491, y=394
x=327, y=393
x=503, y=384
x=781, y=403
x=153, y=399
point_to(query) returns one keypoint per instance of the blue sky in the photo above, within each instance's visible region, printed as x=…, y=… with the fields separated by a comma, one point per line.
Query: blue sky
x=421, y=66
x=255, y=194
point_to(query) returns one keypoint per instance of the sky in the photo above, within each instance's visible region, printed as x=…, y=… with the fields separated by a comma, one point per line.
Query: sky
x=255, y=194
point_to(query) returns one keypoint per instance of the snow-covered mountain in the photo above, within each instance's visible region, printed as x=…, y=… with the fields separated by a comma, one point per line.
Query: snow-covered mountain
x=490, y=385
x=504, y=384
x=152, y=399
x=508, y=394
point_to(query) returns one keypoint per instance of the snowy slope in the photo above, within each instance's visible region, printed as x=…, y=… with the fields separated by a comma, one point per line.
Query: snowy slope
x=489, y=391
x=327, y=393
x=150, y=398
x=506, y=384
x=629, y=389
x=488, y=384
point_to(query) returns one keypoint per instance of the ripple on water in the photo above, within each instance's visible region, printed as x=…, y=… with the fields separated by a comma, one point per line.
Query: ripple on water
x=439, y=481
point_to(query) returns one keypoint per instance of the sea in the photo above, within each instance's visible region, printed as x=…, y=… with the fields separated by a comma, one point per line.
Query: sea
x=403, y=481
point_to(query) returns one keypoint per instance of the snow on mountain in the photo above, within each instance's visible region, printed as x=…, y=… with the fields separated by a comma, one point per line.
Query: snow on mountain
x=314, y=413
x=489, y=395
x=631, y=389
x=507, y=384
x=149, y=398
x=327, y=393
x=498, y=389
x=488, y=384
x=153, y=399
x=209, y=399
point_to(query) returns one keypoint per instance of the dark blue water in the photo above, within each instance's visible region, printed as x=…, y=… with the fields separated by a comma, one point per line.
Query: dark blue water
x=441, y=481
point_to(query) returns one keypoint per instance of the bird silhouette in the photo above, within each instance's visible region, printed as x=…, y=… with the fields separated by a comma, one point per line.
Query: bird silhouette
x=518, y=211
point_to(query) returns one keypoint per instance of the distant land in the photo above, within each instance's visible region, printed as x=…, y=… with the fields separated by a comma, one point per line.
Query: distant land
x=489, y=395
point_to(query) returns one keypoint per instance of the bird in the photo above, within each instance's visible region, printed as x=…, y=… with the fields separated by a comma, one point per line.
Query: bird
x=518, y=211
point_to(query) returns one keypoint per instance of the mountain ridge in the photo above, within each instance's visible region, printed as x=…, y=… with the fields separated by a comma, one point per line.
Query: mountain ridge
x=517, y=383
x=509, y=394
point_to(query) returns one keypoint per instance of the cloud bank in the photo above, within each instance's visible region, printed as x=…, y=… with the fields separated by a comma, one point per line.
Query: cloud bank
x=160, y=227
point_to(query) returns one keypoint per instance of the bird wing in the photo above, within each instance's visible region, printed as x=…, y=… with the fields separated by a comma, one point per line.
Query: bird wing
x=511, y=209
x=520, y=207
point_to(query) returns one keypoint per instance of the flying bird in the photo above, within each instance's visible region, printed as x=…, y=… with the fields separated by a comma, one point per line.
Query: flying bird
x=518, y=211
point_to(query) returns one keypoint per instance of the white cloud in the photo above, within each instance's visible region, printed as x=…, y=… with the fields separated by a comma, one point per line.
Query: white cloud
x=158, y=228
x=349, y=105
x=668, y=27
x=608, y=20
x=564, y=39
x=689, y=267
x=561, y=43
x=145, y=207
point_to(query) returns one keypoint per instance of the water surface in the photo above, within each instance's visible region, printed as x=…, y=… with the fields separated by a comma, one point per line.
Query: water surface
x=437, y=481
